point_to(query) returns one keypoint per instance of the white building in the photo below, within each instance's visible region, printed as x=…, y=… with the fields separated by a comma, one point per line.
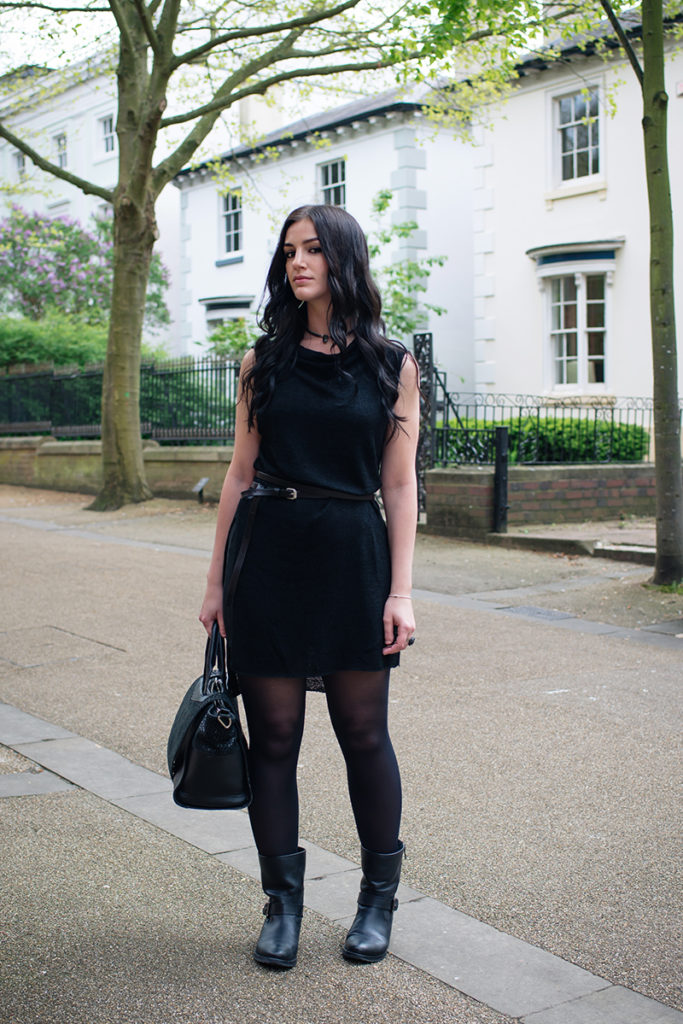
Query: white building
x=544, y=223
x=70, y=120
x=231, y=221
x=561, y=231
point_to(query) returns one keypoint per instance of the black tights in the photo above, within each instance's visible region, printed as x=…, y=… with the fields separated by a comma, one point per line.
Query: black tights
x=357, y=702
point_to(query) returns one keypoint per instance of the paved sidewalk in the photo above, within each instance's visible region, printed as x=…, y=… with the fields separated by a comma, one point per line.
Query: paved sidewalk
x=540, y=775
x=628, y=539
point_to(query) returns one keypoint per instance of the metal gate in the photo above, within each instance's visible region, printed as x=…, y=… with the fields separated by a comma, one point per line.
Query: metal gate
x=446, y=440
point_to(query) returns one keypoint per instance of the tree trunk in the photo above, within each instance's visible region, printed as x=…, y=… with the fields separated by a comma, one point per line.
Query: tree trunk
x=141, y=101
x=123, y=468
x=667, y=415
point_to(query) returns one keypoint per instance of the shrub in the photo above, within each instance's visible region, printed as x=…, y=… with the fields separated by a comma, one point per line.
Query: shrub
x=56, y=339
x=549, y=439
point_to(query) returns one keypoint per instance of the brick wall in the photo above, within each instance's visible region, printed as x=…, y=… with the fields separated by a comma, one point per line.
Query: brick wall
x=570, y=494
x=460, y=499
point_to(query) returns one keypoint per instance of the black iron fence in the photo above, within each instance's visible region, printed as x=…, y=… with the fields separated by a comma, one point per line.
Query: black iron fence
x=181, y=401
x=460, y=427
x=189, y=400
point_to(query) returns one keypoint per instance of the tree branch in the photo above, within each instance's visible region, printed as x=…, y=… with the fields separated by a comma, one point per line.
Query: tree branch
x=222, y=95
x=9, y=5
x=262, y=30
x=169, y=167
x=120, y=19
x=148, y=26
x=59, y=172
x=623, y=39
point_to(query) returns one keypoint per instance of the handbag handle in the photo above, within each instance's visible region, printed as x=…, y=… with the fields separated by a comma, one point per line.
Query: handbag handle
x=214, y=658
x=216, y=663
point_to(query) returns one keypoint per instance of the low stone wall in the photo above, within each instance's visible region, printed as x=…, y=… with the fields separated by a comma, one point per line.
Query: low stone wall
x=76, y=466
x=18, y=459
x=460, y=499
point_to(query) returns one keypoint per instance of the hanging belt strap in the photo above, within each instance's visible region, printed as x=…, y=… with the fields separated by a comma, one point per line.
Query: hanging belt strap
x=278, y=488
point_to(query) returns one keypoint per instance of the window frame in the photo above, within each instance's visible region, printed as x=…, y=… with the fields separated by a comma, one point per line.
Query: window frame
x=61, y=151
x=237, y=230
x=580, y=269
x=573, y=125
x=325, y=189
x=582, y=329
x=557, y=187
x=20, y=165
x=106, y=137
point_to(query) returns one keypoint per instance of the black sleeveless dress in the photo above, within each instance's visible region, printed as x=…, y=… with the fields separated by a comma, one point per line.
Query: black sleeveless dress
x=311, y=592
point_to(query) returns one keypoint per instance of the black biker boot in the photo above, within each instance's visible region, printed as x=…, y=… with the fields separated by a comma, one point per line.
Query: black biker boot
x=283, y=882
x=369, y=935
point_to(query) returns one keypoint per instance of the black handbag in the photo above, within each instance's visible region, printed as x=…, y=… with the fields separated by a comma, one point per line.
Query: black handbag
x=207, y=751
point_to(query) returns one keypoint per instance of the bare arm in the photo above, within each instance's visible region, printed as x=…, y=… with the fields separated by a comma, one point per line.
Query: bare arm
x=239, y=476
x=399, y=495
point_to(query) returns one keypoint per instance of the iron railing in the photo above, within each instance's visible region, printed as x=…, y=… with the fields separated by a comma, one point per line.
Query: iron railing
x=545, y=429
x=459, y=427
x=186, y=400
x=181, y=401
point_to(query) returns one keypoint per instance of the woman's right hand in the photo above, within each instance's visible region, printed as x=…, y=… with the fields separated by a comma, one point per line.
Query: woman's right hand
x=212, y=607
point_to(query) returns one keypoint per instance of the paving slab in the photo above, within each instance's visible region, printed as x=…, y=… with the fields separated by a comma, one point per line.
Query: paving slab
x=31, y=782
x=93, y=767
x=19, y=727
x=497, y=969
x=320, y=863
x=613, y=1005
x=336, y=895
x=520, y=808
x=211, y=831
x=108, y=920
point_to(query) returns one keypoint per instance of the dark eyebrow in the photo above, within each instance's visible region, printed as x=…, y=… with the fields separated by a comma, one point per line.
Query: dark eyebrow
x=306, y=242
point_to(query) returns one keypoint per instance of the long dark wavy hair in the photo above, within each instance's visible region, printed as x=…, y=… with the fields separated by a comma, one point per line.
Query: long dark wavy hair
x=356, y=305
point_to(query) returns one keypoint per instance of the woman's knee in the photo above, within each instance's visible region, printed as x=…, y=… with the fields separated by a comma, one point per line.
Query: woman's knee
x=361, y=737
x=277, y=738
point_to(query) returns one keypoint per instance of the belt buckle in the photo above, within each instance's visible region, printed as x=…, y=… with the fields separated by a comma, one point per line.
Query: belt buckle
x=291, y=493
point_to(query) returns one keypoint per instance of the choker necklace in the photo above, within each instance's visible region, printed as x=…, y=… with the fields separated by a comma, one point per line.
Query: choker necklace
x=325, y=337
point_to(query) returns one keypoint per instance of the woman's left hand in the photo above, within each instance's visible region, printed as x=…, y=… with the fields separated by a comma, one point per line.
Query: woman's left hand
x=399, y=624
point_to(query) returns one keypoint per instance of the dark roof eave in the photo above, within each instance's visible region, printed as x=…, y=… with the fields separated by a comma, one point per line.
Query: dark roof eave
x=290, y=133
x=586, y=45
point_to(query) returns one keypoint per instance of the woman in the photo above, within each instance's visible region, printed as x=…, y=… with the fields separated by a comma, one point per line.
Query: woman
x=315, y=584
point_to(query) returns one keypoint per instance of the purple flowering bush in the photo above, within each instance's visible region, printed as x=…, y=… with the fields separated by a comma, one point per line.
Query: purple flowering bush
x=53, y=265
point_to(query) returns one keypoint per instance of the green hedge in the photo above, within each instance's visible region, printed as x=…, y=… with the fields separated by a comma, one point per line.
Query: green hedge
x=55, y=340
x=550, y=439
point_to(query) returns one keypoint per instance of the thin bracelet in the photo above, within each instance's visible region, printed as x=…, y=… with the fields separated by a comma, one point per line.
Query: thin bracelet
x=404, y=597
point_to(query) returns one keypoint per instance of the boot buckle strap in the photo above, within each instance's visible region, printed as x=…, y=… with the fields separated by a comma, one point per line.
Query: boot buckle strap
x=279, y=907
x=378, y=901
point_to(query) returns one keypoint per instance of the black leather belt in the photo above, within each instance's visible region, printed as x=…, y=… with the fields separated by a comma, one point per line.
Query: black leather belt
x=267, y=486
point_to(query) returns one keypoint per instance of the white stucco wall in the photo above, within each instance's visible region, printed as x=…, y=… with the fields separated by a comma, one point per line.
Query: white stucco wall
x=518, y=209
x=430, y=176
x=77, y=111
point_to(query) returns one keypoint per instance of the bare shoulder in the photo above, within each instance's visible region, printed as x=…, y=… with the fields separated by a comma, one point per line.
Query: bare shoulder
x=247, y=361
x=410, y=375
